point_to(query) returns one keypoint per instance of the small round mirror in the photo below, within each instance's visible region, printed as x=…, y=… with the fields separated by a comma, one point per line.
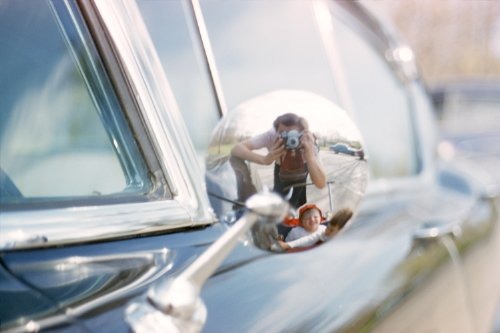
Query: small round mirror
x=299, y=145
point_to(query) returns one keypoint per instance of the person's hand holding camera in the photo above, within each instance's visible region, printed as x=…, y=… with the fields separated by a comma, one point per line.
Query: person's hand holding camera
x=307, y=143
x=276, y=152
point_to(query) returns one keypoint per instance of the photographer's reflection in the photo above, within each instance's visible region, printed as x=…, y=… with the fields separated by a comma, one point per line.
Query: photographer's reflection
x=267, y=142
x=292, y=147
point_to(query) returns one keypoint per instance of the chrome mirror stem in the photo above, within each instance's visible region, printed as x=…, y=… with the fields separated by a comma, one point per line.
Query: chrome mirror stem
x=174, y=304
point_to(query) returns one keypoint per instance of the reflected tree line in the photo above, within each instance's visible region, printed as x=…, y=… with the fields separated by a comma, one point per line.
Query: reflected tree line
x=451, y=39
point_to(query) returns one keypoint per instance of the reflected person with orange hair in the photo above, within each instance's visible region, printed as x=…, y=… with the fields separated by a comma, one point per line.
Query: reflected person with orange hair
x=313, y=229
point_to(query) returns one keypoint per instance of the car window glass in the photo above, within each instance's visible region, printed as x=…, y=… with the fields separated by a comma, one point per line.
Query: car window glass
x=62, y=131
x=181, y=56
x=381, y=105
x=261, y=46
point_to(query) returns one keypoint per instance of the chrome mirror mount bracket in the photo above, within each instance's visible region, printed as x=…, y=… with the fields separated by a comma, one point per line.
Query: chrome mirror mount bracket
x=185, y=312
x=173, y=304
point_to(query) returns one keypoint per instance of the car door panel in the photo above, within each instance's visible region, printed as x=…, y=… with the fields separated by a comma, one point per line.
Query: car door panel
x=81, y=279
x=360, y=282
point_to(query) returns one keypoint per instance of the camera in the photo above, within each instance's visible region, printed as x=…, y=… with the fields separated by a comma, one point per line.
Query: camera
x=291, y=139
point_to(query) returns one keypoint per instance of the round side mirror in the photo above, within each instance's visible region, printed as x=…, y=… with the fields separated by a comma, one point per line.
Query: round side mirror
x=299, y=145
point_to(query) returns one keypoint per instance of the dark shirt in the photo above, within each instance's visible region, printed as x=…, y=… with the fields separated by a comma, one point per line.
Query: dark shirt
x=298, y=197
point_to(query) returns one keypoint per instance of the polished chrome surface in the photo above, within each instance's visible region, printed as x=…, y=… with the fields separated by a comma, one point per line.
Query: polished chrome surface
x=347, y=175
x=265, y=207
x=436, y=229
x=209, y=55
x=144, y=318
x=64, y=226
x=235, y=179
x=176, y=305
x=157, y=103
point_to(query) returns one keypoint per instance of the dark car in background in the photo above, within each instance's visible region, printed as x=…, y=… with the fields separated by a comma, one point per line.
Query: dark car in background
x=343, y=148
x=117, y=215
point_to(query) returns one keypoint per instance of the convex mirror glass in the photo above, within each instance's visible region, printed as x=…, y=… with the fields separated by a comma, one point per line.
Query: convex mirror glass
x=299, y=145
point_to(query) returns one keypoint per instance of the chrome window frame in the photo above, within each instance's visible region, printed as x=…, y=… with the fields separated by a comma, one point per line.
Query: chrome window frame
x=129, y=55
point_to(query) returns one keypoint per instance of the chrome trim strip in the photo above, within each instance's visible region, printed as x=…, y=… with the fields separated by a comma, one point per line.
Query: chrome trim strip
x=174, y=303
x=324, y=24
x=110, y=58
x=158, y=104
x=154, y=96
x=81, y=224
x=209, y=55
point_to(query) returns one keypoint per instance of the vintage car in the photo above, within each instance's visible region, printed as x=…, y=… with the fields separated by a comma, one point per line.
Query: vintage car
x=124, y=206
x=344, y=148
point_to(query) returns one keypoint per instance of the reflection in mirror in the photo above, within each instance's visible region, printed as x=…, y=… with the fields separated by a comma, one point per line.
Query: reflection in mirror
x=298, y=144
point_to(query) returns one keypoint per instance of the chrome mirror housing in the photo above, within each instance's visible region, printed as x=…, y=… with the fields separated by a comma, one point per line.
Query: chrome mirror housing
x=296, y=143
x=326, y=141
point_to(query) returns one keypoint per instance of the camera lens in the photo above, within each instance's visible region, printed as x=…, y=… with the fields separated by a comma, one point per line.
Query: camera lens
x=292, y=143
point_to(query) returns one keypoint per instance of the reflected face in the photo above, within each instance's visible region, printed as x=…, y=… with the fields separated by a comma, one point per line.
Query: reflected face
x=310, y=220
x=283, y=128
